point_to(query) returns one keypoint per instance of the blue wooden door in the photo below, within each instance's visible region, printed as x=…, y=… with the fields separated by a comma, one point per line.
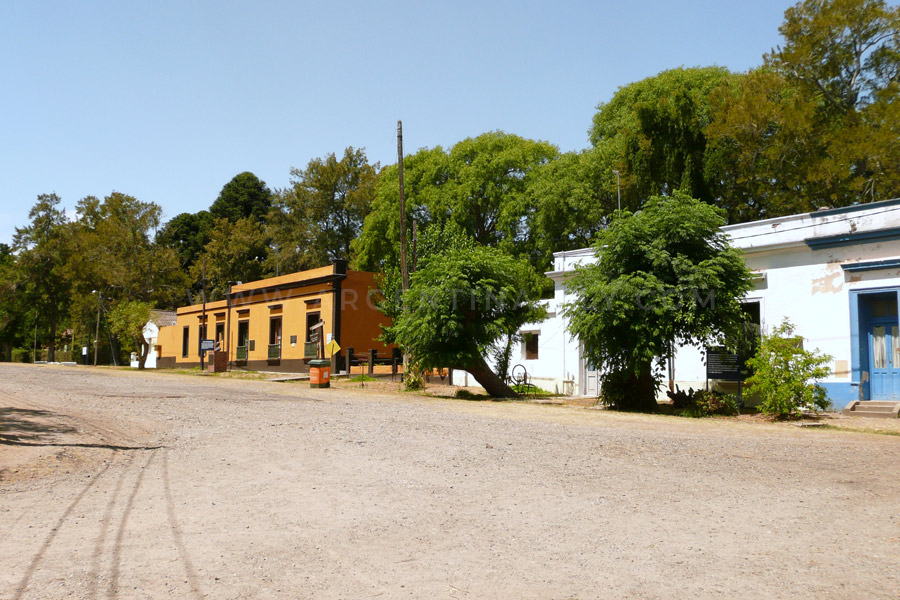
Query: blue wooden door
x=884, y=361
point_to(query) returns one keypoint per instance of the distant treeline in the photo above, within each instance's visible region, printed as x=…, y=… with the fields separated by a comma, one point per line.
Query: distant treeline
x=817, y=124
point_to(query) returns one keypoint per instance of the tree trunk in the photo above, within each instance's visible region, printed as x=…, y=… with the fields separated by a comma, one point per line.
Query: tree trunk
x=490, y=381
x=142, y=355
x=640, y=394
x=51, y=351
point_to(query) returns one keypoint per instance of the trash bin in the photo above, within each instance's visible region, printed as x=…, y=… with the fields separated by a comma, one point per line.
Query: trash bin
x=220, y=360
x=320, y=373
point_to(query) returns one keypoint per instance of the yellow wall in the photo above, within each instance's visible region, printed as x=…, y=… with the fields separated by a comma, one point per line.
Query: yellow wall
x=360, y=319
x=287, y=297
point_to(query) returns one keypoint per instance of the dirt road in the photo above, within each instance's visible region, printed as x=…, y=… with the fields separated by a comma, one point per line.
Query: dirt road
x=125, y=485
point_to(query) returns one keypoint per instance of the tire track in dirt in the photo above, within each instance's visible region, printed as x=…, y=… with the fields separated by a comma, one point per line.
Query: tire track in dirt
x=175, y=528
x=22, y=514
x=94, y=573
x=32, y=567
x=113, y=588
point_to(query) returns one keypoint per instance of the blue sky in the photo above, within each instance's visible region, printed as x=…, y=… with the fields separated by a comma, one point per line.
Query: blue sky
x=167, y=101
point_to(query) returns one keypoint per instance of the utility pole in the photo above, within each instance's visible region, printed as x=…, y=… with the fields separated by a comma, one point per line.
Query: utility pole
x=404, y=274
x=203, y=318
x=97, y=330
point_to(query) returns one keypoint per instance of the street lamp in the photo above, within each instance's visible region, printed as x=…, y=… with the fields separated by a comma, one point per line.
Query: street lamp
x=618, y=188
x=97, y=332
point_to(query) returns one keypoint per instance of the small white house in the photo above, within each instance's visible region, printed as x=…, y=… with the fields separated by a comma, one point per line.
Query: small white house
x=834, y=273
x=158, y=318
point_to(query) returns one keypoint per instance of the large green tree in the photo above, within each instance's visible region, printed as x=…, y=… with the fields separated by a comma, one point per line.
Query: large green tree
x=118, y=252
x=843, y=52
x=461, y=302
x=44, y=248
x=655, y=131
x=425, y=175
x=764, y=149
x=244, y=197
x=236, y=252
x=294, y=245
x=486, y=194
x=116, y=259
x=816, y=126
x=664, y=277
x=334, y=195
x=12, y=310
x=845, y=56
x=127, y=321
x=572, y=196
x=480, y=184
x=187, y=234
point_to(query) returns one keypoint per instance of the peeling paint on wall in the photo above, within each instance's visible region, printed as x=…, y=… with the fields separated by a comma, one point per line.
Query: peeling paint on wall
x=841, y=369
x=831, y=283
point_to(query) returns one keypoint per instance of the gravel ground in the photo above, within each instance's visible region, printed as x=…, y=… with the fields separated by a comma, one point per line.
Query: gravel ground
x=118, y=484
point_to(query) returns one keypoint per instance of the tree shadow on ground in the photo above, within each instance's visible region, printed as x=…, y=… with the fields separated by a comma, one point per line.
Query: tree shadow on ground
x=28, y=427
x=20, y=426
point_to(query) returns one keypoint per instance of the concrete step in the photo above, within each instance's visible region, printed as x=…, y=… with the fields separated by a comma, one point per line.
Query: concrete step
x=872, y=414
x=877, y=409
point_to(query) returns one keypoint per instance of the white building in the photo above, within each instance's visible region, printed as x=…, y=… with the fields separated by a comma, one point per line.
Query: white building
x=834, y=273
x=158, y=318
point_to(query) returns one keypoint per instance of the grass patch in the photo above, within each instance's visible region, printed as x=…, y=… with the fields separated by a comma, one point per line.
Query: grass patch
x=191, y=371
x=860, y=430
x=236, y=374
x=531, y=390
x=362, y=378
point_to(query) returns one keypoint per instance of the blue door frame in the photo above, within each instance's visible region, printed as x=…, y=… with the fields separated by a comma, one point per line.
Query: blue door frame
x=861, y=324
x=884, y=370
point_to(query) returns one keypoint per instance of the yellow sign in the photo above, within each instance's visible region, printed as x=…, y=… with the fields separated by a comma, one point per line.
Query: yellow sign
x=332, y=348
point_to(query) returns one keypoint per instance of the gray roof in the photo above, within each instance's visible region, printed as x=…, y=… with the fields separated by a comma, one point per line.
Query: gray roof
x=163, y=318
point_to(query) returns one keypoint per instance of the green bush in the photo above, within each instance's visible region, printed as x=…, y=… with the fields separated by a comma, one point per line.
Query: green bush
x=21, y=355
x=710, y=403
x=415, y=378
x=785, y=375
x=530, y=390
x=362, y=378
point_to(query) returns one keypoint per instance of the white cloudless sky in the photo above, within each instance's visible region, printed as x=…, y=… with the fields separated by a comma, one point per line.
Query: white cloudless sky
x=167, y=101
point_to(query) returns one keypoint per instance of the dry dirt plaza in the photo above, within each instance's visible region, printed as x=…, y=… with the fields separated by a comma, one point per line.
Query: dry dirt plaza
x=117, y=484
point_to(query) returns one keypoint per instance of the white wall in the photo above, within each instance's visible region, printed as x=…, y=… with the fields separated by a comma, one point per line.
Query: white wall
x=806, y=285
x=811, y=289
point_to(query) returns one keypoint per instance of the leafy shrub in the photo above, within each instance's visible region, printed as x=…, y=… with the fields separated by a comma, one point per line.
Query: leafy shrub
x=614, y=390
x=711, y=403
x=529, y=389
x=618, y=389
x=681, y=399
x=21, y=355
x=415, y=378
x=702, y=403
x=785, y=375
x=362, y=378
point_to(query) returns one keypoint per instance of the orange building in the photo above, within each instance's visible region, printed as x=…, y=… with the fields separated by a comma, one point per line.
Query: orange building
x=267, y=325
